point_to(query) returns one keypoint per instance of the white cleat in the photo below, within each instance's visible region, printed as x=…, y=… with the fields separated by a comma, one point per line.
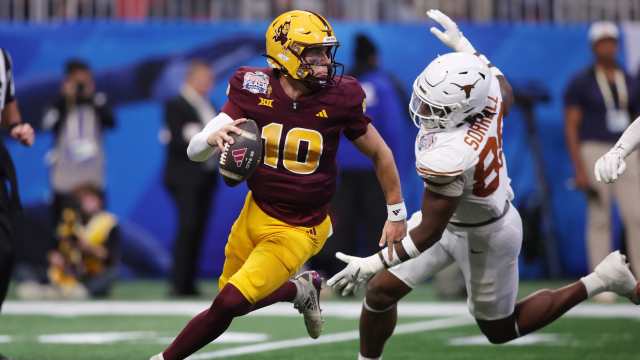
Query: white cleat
x=157, y=357
x=307, y=301
x=615, y=273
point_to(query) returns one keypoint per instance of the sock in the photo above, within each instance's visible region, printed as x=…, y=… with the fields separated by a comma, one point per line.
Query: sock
x=593, y=284
x=287, y=292
x=209, y=324
x=360, y=357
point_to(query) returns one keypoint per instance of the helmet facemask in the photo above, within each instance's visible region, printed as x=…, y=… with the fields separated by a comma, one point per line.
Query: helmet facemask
x=433, y=116
x=310, y=59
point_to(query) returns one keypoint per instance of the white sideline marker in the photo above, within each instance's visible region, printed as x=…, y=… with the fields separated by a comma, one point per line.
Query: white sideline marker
x=331, y=338
x=530, y=339
x=341, y=309
x=5, y=339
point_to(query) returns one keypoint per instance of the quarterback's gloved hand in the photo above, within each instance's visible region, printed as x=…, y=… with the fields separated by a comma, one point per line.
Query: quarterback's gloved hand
x=357, y=272
x=610, y=166
x=452, y=36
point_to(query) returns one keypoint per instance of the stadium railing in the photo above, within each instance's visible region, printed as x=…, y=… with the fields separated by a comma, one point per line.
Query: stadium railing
x=554, y=11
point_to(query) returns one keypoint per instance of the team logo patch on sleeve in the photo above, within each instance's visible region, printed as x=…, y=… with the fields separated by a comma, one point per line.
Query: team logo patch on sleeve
x=256, y=82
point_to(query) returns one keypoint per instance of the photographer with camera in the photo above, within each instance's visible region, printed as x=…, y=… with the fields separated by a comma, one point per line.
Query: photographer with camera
x=78, y=118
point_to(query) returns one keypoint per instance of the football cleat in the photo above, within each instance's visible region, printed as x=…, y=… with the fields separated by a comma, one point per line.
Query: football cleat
x=307, y=301
x=157, y=357
x=615, y=273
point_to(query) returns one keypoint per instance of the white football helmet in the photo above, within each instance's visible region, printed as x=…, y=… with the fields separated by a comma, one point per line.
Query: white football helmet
x=451, y=88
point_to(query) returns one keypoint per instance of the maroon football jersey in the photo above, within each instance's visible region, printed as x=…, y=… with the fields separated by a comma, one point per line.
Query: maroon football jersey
x=297, y=176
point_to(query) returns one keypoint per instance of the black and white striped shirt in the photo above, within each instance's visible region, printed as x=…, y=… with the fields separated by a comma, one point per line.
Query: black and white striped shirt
x=7, y=88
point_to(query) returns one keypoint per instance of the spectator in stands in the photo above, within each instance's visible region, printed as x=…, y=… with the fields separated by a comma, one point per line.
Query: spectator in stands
x=190, y=184
x=358, y=220
x=78, y=118
x=9, y=201
x=599, y=103
x=85, y=260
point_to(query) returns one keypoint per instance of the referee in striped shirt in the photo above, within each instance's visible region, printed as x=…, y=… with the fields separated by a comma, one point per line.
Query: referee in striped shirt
x=9, y=201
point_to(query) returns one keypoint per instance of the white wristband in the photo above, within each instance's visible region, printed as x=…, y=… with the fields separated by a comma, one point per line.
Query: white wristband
x=410, y=247
x=387, y=261
x=396, y=212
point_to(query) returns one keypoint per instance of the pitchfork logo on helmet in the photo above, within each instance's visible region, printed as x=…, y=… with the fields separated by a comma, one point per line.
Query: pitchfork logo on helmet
x=290, y=34
x=281, y=33
x=452, y=88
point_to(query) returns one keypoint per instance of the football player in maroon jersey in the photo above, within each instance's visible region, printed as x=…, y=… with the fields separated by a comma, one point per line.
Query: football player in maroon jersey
x=301, y=108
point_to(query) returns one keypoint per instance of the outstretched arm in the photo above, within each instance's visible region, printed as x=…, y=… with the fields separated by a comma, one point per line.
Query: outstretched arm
x=611, y=165
x=455, y=39
x=437, y=209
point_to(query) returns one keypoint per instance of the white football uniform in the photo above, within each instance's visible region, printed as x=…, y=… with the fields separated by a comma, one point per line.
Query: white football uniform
x=484, y=235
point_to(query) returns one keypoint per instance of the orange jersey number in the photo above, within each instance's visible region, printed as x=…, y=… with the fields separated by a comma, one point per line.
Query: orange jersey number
x=484, y=170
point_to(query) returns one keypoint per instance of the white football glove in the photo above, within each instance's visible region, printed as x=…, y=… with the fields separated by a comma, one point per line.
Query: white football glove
x=452, y=36
x=356, y=273
x=610, y=166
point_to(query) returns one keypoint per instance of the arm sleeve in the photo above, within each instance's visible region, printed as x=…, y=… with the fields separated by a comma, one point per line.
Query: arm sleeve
x=630, y=139
x=199, y=150
x=358, y=122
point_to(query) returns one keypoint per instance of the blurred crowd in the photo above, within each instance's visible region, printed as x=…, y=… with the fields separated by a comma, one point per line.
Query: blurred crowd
x=558, y=11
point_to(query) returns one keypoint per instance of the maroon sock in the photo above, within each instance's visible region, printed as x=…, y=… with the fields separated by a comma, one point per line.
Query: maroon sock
x=286, y=292
x=209, y=324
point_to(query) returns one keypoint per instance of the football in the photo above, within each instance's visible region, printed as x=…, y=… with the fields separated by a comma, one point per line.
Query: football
x=240, y=159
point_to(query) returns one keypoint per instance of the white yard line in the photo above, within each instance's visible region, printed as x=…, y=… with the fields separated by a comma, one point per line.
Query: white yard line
x=343, y=309
x=331, y=338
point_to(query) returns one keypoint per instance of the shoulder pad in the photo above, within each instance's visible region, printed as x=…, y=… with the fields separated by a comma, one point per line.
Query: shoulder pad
x=442, y=156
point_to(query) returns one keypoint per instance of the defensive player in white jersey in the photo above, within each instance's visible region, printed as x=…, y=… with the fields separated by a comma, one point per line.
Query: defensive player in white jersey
x=459, y=102
x=611, y=165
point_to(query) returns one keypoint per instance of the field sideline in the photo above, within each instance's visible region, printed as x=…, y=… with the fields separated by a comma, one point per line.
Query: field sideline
x=138, y=323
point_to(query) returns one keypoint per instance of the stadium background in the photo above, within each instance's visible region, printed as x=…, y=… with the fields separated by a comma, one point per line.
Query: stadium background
x=139, y=49
x=531, y=55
